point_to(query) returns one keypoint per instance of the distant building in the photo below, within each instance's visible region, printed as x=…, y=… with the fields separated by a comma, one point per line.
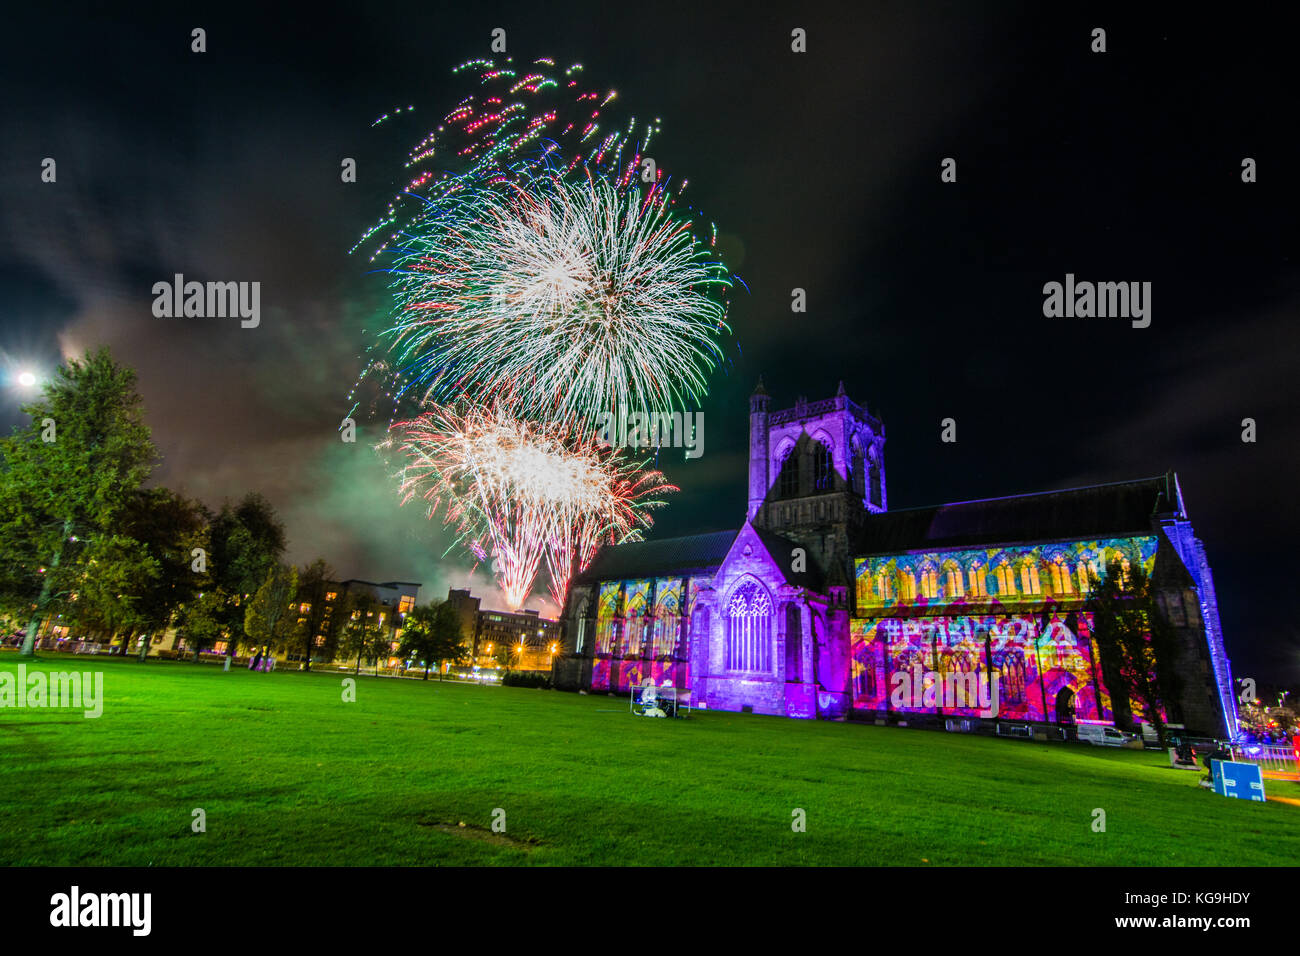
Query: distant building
x=531, y=638
x=393, y=600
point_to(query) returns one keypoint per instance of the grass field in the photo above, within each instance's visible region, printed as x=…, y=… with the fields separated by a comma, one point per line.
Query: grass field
x=288, y=773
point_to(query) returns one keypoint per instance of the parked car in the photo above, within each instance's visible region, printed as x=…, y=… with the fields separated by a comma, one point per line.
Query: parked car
x=1100, y=735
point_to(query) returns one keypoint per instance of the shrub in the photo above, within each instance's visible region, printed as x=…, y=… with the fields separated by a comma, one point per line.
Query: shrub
x=526, y=679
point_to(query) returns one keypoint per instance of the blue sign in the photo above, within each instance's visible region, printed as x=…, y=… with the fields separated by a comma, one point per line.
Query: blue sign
x=1244, y=781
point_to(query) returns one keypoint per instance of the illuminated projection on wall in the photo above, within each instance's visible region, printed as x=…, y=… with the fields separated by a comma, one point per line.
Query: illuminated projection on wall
x=641, y=628
x=930, y=624
x=995, y=575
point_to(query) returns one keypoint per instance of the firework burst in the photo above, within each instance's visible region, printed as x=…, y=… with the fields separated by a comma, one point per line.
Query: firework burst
x=561, y=298
x=517, y=493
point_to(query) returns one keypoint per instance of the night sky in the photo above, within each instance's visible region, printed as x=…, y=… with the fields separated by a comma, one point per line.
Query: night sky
x=821, y=171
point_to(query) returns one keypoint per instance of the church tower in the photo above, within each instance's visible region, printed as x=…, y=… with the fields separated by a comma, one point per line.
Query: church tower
x=815, y=471
x=758, y=468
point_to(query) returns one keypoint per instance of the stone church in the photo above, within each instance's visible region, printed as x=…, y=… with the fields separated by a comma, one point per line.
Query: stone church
x=825, y=603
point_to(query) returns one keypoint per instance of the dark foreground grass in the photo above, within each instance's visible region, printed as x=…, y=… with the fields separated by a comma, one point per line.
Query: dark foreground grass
x=287, y=773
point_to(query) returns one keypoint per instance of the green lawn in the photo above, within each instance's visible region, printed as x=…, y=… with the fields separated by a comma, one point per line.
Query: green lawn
x=288, y=773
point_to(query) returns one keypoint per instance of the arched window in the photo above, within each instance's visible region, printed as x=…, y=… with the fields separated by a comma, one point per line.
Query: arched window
x=873, y=480
x=635, y=631
x=1029, y=577
x=929, y=582
x=906, y=585
x=859, y=465
x=749, y=630
x=1087, y=570
x=884, y=586
x=952, y=581
x=978, y=586
x=788, y=474
x=1005, y=578
x=823, y=467
x=667, y=627
x=1061, y=576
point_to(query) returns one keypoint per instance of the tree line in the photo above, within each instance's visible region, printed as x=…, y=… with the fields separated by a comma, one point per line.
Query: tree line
x=85, y=542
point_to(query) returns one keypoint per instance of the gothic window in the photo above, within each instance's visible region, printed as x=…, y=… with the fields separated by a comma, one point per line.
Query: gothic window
x=978, y=586
x=952, y=581
x=929, y=582
x=859, y=471
x=604, y=635
x=1087, y=570
x=907, y=586
x=1029, y=577
x=1006, y=579
x=823, y=467
x=634, y=634
x=788, y=474
x=749, y=629
x=884, y=586
x=873, y=479
x=1061, y=576
x=666, y=628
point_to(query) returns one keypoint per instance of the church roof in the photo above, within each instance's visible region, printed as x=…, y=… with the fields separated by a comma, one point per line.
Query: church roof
x=1096, y=511
x=781, y=549
x=643, y=559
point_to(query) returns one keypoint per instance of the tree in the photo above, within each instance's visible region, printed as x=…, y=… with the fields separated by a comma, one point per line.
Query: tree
x=201, y=620
x=246, y=540
x=170, y=526
x=431, y=633
x=65, y=479
x=268, y=619
x=324, y=619
x=364, y=635
x=115, y=570
x=1136, y=646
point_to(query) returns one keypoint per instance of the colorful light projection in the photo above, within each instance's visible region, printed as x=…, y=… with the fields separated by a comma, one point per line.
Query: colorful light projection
x=1045, y=664
x=1043, y=653
x=1010, y=575
x=641, y=632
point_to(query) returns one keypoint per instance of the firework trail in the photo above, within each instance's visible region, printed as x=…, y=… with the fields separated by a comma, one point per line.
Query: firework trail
x=519, y=492
x=517, y=120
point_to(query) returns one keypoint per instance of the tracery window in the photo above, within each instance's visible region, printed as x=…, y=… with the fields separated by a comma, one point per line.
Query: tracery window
x=788, y=474
x=749, y=629
x=929, y=582
x=952, y=581
x=1029, y=577
x=1061, y=576
x=1005, y=578
x=823, y=467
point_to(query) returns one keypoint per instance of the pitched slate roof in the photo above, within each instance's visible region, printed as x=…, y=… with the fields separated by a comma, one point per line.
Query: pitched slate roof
x=1096, y=511
x=643, y=559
